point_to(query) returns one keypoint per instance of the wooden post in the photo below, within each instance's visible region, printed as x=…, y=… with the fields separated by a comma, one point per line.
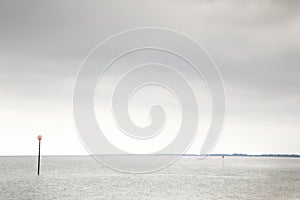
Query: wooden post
x=39, y=156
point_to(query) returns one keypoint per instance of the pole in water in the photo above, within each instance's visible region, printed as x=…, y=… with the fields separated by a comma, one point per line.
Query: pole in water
x=223, y=161
x=39, y=137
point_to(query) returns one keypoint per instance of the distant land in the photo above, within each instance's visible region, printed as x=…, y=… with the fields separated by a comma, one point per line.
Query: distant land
x=251, y=155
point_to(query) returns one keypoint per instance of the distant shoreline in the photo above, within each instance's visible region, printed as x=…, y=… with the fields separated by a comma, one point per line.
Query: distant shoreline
x=185, y=155
x=259, y=155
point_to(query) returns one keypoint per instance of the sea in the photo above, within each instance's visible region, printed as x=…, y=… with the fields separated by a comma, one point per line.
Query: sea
x=83, y=177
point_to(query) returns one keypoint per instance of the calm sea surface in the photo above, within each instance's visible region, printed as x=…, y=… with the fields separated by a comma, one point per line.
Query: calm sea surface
x=189, y=178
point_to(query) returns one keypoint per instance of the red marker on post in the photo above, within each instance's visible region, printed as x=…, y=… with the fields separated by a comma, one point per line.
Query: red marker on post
x=39, y=137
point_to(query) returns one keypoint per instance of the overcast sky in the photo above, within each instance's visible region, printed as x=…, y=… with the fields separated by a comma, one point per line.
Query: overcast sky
x=255, y=44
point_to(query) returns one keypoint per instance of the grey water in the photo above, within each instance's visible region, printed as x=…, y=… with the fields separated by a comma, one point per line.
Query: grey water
x=82, y=177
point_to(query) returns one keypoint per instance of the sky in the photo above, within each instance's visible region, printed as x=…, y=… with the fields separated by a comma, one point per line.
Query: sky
x=255, y=44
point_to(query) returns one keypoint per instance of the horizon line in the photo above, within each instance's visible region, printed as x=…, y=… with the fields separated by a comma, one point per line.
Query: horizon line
x=198, y=155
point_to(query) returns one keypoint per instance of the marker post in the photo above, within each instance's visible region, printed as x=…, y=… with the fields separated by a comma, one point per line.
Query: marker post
x=223, y=160
x=39, y=137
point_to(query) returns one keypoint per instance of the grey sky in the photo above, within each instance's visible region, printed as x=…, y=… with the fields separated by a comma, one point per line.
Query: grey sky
x=255, y=44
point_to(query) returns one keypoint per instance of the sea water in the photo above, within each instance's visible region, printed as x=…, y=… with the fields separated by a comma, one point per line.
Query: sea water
x=82, y=177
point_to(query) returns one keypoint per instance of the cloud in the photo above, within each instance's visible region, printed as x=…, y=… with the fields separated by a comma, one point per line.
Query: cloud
x=255, y=44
